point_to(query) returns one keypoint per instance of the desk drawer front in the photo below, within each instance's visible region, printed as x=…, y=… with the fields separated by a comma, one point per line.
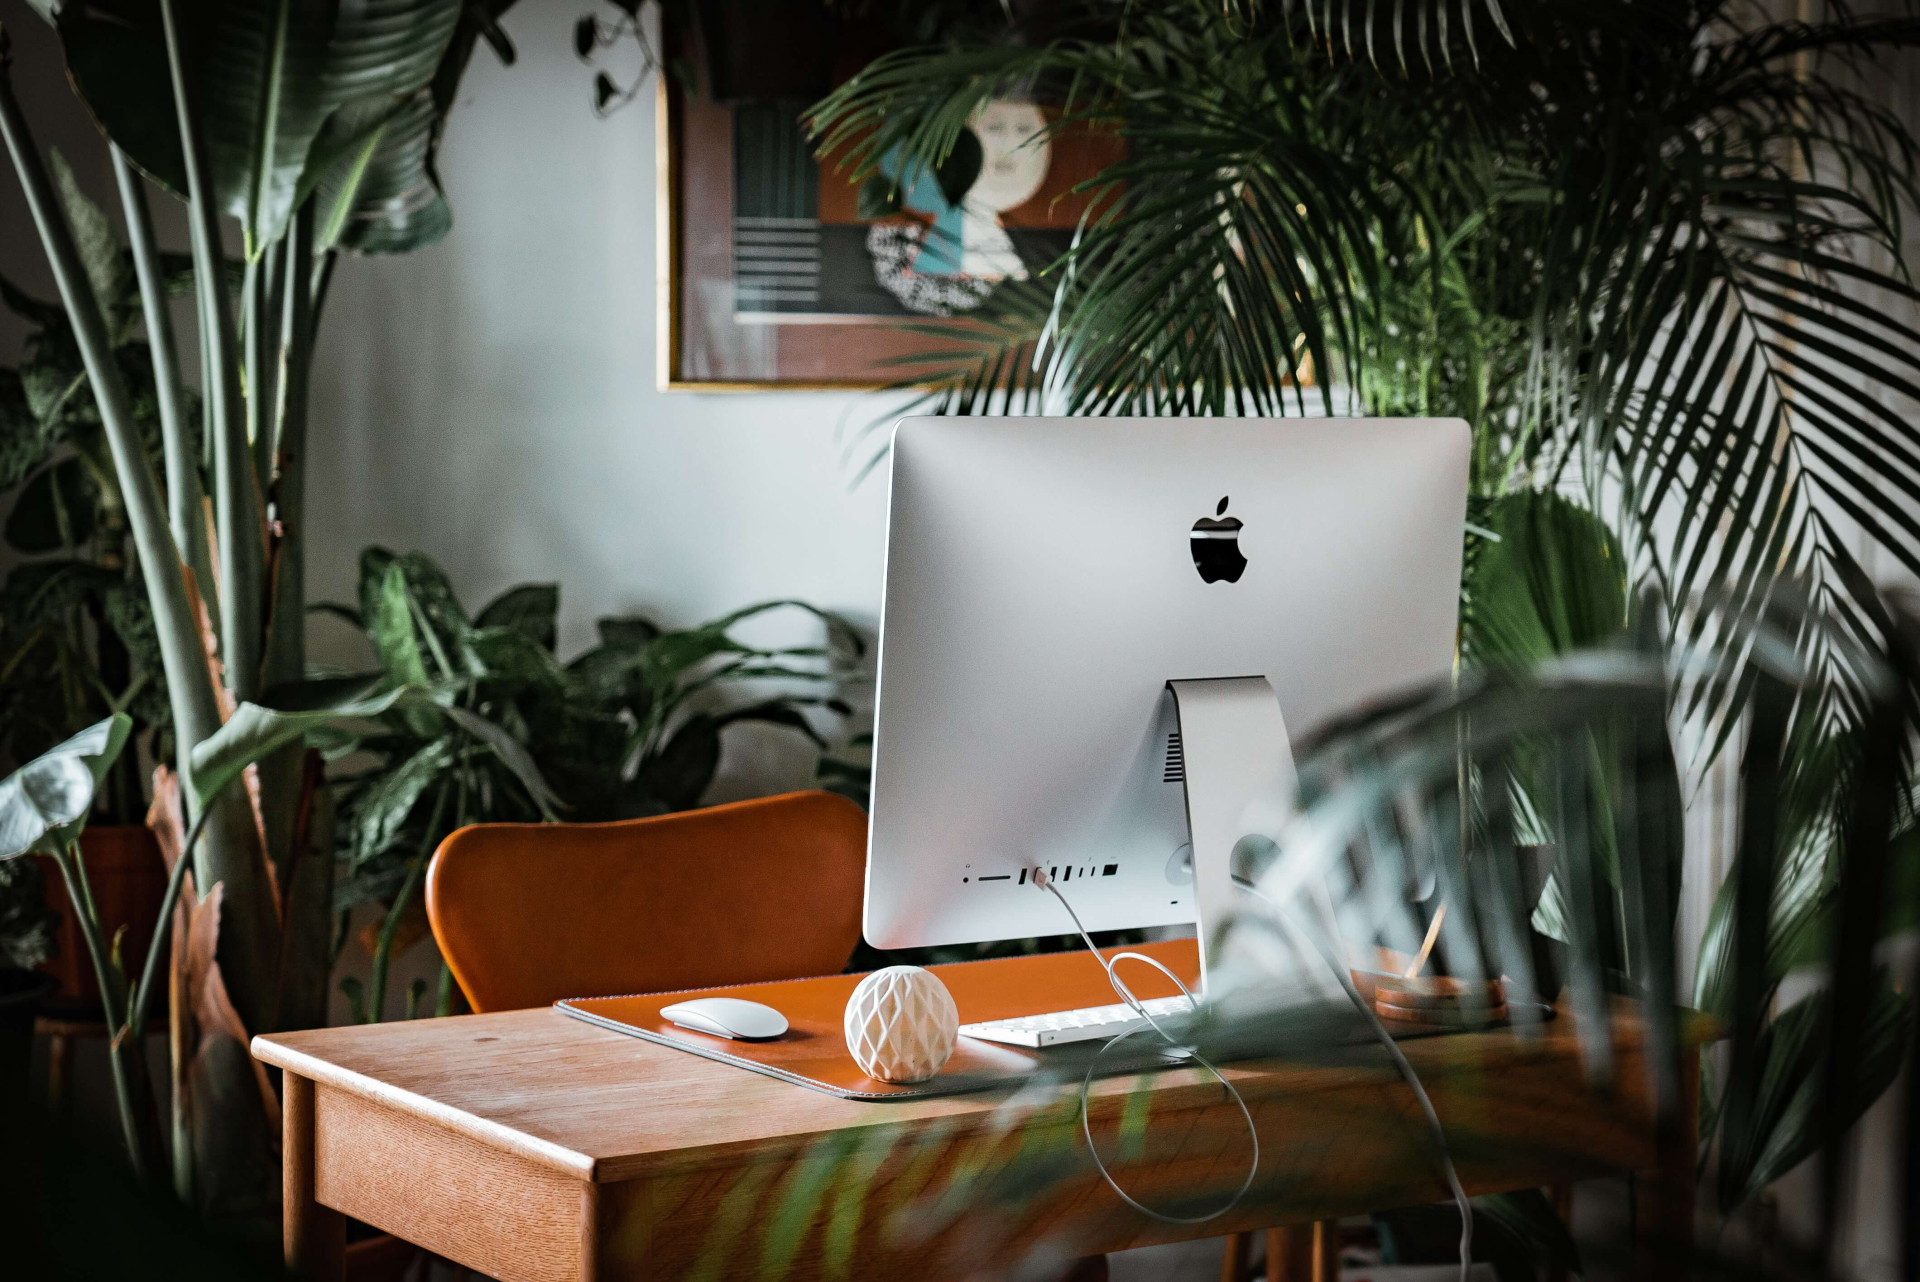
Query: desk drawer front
x=489, y=1210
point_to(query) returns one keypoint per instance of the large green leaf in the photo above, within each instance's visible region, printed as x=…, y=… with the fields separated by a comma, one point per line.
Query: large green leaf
x=25, y=442
x=508, y=654
x=254, y=732
x=1788, y=1124
x=268, y=79
x=513, y=754
x=1554, y=582
x=626, y=632
x=44, y=804
x=776, y=712
x=382, y=809
x=380, y=193
x=679, y=773
x=441, y=624
x=108, y=266
x=390, y=626
x=531, y=608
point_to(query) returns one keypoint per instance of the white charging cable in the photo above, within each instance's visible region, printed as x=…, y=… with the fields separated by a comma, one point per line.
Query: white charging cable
x=1045, y=882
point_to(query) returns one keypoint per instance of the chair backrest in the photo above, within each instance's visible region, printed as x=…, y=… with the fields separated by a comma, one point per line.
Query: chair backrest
x=526, y=914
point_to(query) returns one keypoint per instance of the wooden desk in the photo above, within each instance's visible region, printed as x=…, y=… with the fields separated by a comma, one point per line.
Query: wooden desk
x=532, y=1146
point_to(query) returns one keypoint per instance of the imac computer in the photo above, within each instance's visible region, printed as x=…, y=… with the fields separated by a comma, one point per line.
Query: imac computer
x=1096, y=634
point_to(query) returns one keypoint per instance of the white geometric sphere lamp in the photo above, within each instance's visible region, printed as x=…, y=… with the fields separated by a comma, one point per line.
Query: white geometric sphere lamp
x=901, y=1025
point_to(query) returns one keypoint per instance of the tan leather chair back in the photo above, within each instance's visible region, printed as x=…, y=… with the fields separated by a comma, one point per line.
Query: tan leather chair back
x=526, y=914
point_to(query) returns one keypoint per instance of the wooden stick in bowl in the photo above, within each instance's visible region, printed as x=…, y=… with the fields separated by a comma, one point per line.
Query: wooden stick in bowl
x=1426, y=945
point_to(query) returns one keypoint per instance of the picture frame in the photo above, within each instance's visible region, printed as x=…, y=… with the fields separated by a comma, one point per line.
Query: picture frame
x=771, y=278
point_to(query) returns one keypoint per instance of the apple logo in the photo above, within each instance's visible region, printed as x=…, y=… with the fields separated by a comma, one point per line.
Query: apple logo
x=1216, y=546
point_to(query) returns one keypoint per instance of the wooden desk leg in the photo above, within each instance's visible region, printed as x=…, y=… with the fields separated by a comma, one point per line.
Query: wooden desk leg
x=1290, y=1253
x=1236, y=1248
x=315, y=1237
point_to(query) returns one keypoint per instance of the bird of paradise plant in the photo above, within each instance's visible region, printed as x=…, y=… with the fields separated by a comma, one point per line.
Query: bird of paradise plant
x=314, y=129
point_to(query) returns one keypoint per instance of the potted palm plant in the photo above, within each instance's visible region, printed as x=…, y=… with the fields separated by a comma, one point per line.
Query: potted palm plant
x=1651, y=254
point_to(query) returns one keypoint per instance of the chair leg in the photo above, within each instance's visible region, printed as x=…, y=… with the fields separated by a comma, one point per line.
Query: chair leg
x=1238, y=1247
x=1326, y=1251
x=1290, y=1253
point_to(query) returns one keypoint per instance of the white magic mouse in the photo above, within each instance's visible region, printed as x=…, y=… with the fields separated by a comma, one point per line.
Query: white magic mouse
x=728, y=1017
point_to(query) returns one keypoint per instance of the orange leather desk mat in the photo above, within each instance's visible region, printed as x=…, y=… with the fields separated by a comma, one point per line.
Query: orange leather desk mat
x=813, y=1050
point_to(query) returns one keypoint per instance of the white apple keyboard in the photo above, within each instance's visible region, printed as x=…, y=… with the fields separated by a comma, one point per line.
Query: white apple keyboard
x=1057, y=1027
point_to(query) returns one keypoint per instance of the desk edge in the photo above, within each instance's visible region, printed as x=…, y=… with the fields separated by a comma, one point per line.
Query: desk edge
x=556, y=1156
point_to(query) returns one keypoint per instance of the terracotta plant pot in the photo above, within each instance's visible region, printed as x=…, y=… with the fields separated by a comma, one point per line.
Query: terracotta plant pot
x=129, y=879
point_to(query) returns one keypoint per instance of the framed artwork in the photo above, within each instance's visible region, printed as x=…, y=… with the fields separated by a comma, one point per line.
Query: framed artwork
x=770, y=277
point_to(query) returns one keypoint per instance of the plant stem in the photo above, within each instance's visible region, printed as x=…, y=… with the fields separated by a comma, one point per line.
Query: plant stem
x=137, y=1011
x=194, y=710
x=235, y=493
x=286, y=631
x=443, y=1000
x=284, y=660
x=179, y=1093
x=80, y=896
x=250, y=944
x=262, y=352
x=383, y=947
x=322, y=280
x=183, y=468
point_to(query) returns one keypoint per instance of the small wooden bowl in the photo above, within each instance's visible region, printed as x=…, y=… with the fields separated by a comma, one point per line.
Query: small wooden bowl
x=1438, y=993
x=1440, y=1017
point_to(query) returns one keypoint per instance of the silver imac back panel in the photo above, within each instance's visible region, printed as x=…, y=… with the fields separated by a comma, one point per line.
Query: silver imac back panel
x=1046, y=578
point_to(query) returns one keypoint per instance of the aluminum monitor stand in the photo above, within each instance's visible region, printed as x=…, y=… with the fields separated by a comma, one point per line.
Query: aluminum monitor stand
x=1234, y=742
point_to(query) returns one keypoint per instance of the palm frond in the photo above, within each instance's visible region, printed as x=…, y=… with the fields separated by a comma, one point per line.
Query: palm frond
x=1645, y=251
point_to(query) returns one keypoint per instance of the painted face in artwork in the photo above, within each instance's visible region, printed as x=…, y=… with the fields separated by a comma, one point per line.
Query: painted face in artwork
x=1013, y=164
x=1015, y=155
x=951, y=264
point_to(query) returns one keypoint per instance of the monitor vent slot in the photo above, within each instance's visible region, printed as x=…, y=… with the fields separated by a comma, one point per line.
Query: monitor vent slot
x=1176, y=769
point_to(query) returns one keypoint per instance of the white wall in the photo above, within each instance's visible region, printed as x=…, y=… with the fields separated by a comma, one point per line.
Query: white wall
x=492, y=400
